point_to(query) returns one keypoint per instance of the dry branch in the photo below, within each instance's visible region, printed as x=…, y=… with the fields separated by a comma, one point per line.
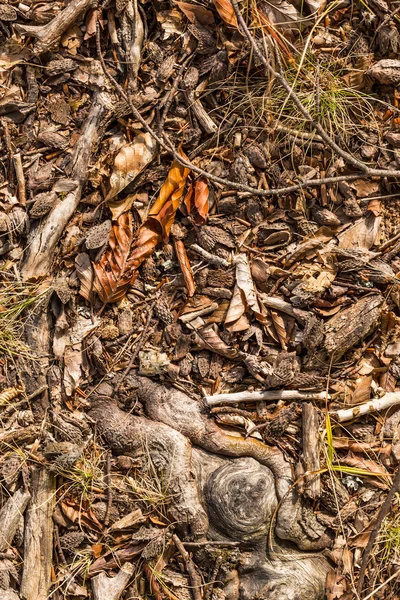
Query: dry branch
x=347, y=414
x=269, y=395
x=38, y=543
x=10, y=516
x=195, y=579
x=312, y=485
x=42, y=245
x=48, y=36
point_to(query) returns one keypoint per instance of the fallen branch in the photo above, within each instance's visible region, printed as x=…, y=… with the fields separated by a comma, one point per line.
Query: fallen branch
x=41, y=247
x=349, y=158
x=311, y=451
x=111, y=588
x=212, y=259
x=347, y=414
x=268, y=395
x=48, y=36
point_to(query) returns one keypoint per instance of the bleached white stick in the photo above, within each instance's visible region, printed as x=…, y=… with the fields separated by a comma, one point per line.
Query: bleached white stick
x=269, y=395
x=347, y=414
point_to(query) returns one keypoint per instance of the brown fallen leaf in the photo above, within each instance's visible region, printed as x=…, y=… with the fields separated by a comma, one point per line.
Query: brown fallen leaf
x=196, y=201
x=336, y=586
x=118, y=267
x=196, y=12
x=113, y=274
x=130, y=161
x=245, y=284
x=85, y=275
x=185, y=266
x=226, y=12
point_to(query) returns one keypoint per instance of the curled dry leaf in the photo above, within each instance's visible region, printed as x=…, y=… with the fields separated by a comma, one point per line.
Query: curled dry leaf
x=208, y=337
x=226, y=12
x=196, y=12
x=130, y=161
x=185, y=267
x=196, y=201
x=85, y=275
x=245, y=284
x=117, y=268
x=234, y=319
x=113, y=274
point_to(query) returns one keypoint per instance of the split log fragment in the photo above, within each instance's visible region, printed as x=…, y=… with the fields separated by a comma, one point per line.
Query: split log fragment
x=38, y=542
x=311, y=460
x=10, y=516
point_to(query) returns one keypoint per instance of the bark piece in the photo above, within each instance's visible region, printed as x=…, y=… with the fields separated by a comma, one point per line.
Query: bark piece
x=111, y=588
x=10, y=516
x=38, y=545
x=350, y=326
x=311, y=461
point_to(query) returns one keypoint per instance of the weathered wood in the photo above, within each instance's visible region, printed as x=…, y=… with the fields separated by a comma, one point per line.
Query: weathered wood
x=24, y=435
x=111, y=588
x=43, y=241
x=312, y=483
x=268, y=395
x=10, y=516
x=38, y=542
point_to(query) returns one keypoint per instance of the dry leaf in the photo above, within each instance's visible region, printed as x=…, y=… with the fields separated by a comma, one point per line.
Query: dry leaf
x=245, y=284
x=363, y=234
x=336, y=586
x=118, y=267
x=196, y=12
x=280, y=329
x=210, y=339
x=185, y=267
x=97, y=549
x=85, y=275
x=113, y=274
x=196, y=201
x=118, y=207
x=130, y=161
x=351, y=460
x=236, y=309
x=226, y=12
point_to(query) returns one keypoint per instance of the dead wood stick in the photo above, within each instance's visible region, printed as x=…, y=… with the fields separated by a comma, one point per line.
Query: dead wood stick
x=191, y=569
x=48, y=36
x=25, y=435
x=382, y=514
x=210, y=258
x=347, y=414
x=44, y=239
x=19, y=172
x=10, y=516
x=111, y=588
x=285, y=307
x=109, y=490
x=311, y=460
x=38, y=539
x=154, y=587
x=204, y=119
x=267, y=395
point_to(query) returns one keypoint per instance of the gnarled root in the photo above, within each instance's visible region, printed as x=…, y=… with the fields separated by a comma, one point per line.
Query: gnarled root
x=169, y=451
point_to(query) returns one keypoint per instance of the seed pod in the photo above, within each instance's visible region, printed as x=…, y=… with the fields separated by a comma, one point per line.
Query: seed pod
x=43, y=204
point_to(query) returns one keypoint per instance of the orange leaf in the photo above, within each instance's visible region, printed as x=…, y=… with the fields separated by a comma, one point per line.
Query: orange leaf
x=196, y=201
x=113, y=275
x=118, y=267
x=97, y=549
x=185, y=267
x=226, y=12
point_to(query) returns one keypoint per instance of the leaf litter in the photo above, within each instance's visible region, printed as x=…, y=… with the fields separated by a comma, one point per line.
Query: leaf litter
x=267, y=262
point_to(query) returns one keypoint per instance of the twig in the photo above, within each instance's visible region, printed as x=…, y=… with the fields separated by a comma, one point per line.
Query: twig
x=19, y=171
x=347, y=414
x=210, y=258
x=167, y=100
x=109, y=491
x=191, y=569
x=209, y=543
x=166, y=145
x=58, y=545
x=214, y=575
x=269, y=395
x=382, y=514
x=142, y=341
x=350, y=159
